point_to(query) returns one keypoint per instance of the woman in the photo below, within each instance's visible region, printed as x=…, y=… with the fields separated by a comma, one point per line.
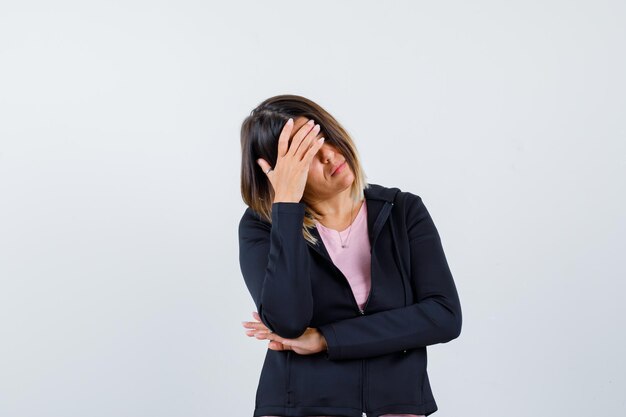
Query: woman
x=349, y=279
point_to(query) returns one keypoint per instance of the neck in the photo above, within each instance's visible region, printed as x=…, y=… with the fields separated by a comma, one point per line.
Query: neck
x=339, y=208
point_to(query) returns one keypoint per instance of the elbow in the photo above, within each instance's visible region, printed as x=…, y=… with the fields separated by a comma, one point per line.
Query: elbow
x=449, y=322
x=288, y=327
x=291, y=332
x=453, y=326
x=458, y=324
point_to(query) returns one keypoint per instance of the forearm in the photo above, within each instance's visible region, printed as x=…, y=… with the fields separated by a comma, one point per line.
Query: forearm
x=276, y=269
x=426, y=323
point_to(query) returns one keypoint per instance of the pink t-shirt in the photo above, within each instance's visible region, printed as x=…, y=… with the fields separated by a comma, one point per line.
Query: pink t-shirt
x=354, y=261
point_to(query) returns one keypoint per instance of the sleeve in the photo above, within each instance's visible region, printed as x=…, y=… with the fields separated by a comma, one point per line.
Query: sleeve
x=434, y=318
x=274, y=261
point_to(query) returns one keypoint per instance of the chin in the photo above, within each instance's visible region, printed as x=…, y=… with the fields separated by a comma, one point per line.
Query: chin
x=347, y=180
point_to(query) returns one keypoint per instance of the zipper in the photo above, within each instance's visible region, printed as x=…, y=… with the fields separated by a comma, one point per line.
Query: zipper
x=362, y=310
x=382, y=218
x=363, y=387
x=378, y=224
x=364, y=414
x=289, y=377
x=359, y=309
x=376, y=228
x=338, y=271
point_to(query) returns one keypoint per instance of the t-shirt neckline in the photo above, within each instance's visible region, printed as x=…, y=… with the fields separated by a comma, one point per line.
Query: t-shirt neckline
x=356, y=220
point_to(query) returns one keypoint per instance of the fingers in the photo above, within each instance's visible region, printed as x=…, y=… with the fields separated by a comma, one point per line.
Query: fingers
x=275, y=342
x=283, y=139
x=277, y=346
x=257, y=329
x=254, y=325
x=302, y=345
x=304, y=136
x=307, y=142
x=308, y=156
x=299, y=137
x=261, y=334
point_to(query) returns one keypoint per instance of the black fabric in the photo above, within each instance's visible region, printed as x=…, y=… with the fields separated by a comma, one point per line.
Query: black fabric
x=376, y=359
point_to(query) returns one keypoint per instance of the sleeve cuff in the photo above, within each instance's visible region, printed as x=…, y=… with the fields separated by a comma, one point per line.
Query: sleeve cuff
x=287, y=207
x=333, y=351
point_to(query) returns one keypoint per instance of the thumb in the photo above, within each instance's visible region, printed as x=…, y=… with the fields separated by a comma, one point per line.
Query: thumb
x=263, y=164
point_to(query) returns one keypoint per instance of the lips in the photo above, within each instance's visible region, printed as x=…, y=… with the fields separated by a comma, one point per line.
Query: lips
x=338, y=167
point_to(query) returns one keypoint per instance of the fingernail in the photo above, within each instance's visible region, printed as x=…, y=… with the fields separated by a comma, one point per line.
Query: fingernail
x=290, y=121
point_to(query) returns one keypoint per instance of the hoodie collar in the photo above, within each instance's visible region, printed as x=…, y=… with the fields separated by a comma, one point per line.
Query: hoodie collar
x=379, y=200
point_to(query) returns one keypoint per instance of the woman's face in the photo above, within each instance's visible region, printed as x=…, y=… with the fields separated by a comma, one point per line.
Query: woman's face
x=329, y=173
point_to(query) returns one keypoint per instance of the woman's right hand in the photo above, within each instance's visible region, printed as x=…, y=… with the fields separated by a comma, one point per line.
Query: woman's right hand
x=288, y=177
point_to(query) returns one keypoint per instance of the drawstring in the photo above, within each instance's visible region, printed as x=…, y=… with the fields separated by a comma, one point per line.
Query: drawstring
x=399, y=261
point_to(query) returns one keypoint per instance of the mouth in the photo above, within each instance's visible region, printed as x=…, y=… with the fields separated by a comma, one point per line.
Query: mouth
x=338, y=168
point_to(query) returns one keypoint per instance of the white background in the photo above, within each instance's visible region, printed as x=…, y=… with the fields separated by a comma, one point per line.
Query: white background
x=120, y=288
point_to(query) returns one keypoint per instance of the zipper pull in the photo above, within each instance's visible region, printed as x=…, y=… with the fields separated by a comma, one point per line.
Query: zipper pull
x=362, y=312
x=363, y=415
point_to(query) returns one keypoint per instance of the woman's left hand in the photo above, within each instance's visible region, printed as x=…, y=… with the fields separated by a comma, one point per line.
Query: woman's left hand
x=310, y=342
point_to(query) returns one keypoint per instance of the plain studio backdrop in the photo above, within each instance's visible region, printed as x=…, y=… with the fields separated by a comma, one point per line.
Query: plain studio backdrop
x=121, y=293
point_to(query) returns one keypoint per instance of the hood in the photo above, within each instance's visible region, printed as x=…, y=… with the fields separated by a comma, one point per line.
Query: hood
x=380, y=192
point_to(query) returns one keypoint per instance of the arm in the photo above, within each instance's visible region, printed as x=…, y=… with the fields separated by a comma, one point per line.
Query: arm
x=274, y=261
x=435, y=318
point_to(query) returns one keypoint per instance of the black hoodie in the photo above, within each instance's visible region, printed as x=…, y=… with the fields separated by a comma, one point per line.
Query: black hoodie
x=376, y=358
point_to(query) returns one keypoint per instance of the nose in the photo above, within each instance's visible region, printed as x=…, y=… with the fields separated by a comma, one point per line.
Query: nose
x=326, y=153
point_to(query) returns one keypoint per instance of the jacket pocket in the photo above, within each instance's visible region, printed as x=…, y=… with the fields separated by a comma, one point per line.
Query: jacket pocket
x=397, y=378
x=317, y=381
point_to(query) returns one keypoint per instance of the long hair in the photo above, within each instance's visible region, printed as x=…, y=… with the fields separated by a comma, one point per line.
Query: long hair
x=259, y=139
